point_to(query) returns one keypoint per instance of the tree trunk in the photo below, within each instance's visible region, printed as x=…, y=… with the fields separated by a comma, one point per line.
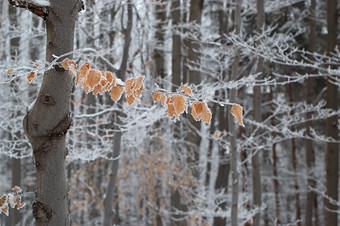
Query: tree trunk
x=332, y=154
x=231, y=123
x=109, y=218
x=194, y=74
x=176, y=46
x=158, y=54
x=255, y=161
x=274, y=156
x=47, y=123
x=294, y=164
x=310, y=156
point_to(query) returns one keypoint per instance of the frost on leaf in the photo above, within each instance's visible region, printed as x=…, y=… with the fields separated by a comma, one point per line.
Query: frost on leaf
x=69, y=64
x=159, y=96
x=236, y=110
x=177, y=104
x=200, y=111
x=133, y=89
x=186, y=90
x=92, y=79
x=31, y=77
x=110, y=78
x=12, y=199
x=116, y=92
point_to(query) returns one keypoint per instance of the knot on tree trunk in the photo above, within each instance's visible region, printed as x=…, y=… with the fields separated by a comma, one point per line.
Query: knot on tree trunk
x=42, y=212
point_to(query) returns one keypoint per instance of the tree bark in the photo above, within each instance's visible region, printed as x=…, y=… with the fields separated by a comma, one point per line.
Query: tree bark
x=176, y=46
x=310, y=155
x=158, y=54
x=231, y=123
x=332, y=154
x=274, y=156
x=255, y=161
x=47, y=123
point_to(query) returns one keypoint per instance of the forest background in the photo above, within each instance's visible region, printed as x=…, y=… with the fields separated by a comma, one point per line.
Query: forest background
x=135, y=165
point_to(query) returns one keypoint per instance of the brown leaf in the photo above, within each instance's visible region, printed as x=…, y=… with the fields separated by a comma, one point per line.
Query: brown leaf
x=186, y=90
x=237, y=111
x=10, y=71
x=196, y=110
x=84, y=69
x=129, y=85
x=200, y=111
x=110, y=78
x=130, y=99
x=64, y=63
x=116, y=92
x=176, y=105
x=3, y=200
x=31, y=77
x=180, y=105
x=93, y=78
x=171, y=110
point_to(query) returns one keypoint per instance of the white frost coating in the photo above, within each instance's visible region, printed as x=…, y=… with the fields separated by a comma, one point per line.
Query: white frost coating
x=42, y=2
x=31, y=105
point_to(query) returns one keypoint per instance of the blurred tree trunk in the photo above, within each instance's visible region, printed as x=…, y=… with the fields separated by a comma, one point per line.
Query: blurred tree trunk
x=176, y=46
x=274, y=156
x=332, y=154
x=255, y=161
x=231, y=123
x=47, y=123
x=15, y=215
x=310, y=156
x=224, y=162
x=109, y=217
x=158, y=53
x=194, y=75
x=294, y=162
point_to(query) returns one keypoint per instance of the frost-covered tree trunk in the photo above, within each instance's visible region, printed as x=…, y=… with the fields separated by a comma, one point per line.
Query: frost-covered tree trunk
x=232, y=129
x=48, y=120
x=332, y=154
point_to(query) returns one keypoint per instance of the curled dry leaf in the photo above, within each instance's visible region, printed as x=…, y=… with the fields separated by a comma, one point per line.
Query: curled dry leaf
x=110, y=78
x=92, y=79
x=159, y=96
x=84, y=69
x=236, y=110
x=116, y=92
x=31, y=77
x=3, y=200
x=133, y=89
x=69, y=64
x=177, y=104
x=200, y=111
x=186, y=90
x=10, y=71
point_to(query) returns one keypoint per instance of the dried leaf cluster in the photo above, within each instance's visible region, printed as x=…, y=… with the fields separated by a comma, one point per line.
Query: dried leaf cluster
x=93, y=80
x=12, y=199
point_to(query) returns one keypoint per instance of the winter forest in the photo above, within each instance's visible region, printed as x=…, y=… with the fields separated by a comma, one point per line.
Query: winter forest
x=159, y=112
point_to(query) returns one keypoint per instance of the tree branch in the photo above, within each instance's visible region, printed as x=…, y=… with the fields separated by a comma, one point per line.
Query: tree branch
x=34, y=7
